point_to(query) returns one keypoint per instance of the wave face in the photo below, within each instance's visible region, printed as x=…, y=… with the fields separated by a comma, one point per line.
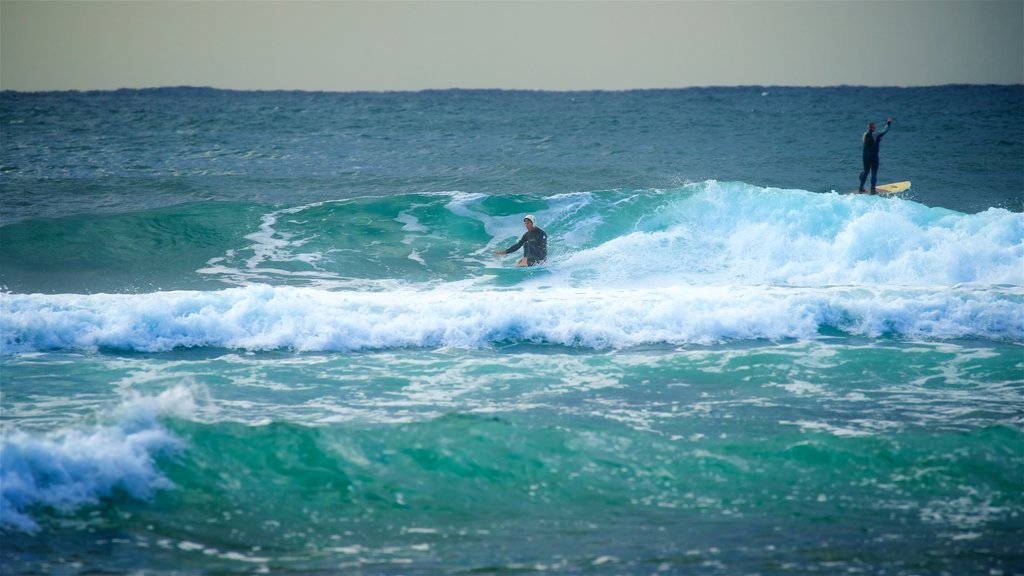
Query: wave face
x=707, y=263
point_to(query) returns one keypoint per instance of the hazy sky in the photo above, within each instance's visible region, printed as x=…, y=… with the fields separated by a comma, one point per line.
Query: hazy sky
x=390, y=45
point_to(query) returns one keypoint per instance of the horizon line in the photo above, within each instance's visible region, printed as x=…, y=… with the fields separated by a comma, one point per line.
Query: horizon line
x=184, y=87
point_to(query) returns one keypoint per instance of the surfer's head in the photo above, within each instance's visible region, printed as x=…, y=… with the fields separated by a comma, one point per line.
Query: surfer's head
x=871, y=126
x=529, y=221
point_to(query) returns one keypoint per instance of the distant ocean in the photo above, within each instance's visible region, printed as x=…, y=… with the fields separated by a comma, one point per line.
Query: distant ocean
x=251, y=332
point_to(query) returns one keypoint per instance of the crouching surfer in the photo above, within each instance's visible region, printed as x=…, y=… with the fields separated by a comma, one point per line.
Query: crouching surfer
x=534, y=244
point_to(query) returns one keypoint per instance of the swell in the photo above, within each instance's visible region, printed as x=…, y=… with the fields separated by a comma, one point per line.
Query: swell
x=255, y=483
x=145, y=251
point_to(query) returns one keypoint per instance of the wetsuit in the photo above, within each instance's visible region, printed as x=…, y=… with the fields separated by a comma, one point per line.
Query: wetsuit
x=536, y=242
x=871, y=142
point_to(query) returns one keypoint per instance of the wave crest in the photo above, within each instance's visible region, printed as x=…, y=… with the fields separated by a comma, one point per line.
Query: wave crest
x=74, y=467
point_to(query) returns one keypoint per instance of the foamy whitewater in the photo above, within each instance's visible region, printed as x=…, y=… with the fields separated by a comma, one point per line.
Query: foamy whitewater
x=254, y=332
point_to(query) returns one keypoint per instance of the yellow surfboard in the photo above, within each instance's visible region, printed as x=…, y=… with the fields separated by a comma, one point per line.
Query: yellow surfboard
x=894, y=188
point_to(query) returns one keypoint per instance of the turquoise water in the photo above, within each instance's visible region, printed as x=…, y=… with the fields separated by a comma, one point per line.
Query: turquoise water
x=253, y=333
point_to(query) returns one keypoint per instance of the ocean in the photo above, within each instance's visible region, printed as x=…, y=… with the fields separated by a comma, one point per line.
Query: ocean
x=252, y=332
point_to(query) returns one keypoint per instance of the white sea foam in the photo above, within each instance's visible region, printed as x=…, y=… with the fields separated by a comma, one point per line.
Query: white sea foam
x=733, y=233
x=307, y=319
x=77, y=466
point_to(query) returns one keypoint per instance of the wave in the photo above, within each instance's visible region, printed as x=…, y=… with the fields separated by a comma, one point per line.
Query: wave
x=705, y=263
x=706, y=233
x=307, y=319
x=67, y=469
x=264, y=479
x=701, y=233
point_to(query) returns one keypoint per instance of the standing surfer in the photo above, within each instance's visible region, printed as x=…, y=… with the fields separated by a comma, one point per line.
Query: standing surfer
x=870, y=154
x=534, y=243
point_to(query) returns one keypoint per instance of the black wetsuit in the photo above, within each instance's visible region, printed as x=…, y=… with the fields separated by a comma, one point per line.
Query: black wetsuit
x=871, y=142
x=536, y=242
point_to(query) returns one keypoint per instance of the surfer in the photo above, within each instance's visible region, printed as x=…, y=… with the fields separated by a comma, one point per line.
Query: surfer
x=871, y=142
x=534, y=244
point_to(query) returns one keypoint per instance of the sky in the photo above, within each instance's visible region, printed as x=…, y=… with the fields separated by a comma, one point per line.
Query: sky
x=339, y=45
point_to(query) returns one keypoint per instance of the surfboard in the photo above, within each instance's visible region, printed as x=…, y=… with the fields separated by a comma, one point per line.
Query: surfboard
x=893, y=188
x=502, y=270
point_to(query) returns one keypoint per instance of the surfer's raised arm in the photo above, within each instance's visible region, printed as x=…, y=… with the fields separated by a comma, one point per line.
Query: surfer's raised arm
x=888, y=124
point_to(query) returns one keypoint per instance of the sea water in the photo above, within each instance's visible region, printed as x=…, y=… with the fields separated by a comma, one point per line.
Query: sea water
x=251, y=332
